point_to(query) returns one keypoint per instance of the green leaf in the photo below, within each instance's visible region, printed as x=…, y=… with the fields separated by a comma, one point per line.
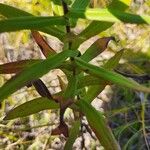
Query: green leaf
x=110, y=76
x=109, y=15
x=78, y=4
x=93, y=29
x=94, y=91
x=113, y=62
x=96, y=48
x=98, y=125
x=71, y=88
x=31, y=107
x=72, y=136
x=120, y=4
x=96, y=27
x=11, y=12
x=29, y=22
x=88, y=80
x=33, y=72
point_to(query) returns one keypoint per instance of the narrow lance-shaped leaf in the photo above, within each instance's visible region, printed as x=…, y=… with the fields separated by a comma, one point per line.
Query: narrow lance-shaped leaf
x=96, y=48
x=131, y=140
x=94, y=91
x=78, y=4
x=31, y=107
x=113, y=61
x=121, y=5
x=34, y=72
x=109, y=15
x=72, y=135
x=41, y=88
x=30, y=22
x=110, y=76
x=17, y=66
x=71, y=88
x=45, y=48
x=98, y=125
x=96, y=27
x=89, y=80
x=11, y=12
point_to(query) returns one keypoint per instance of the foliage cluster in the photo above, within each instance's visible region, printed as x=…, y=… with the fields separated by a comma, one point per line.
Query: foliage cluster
x=85, y=80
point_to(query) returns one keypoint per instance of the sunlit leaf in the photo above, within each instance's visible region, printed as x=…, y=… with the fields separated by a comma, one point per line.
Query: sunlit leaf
x=96, y=27
x=98, y=125
x=11, y=12
x=120, y=4
x=78, y=4
x=109, y=15
x=31, y=107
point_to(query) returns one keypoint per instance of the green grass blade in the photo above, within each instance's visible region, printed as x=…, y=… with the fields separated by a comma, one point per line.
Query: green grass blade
x=110, y=76
x=72, y=135
x=31, y=107
x=132, y=140
x=109, y=15
x=98, y=125
x=119, y=131
x=34, y=72
x=11, y=12
x=29, y=22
